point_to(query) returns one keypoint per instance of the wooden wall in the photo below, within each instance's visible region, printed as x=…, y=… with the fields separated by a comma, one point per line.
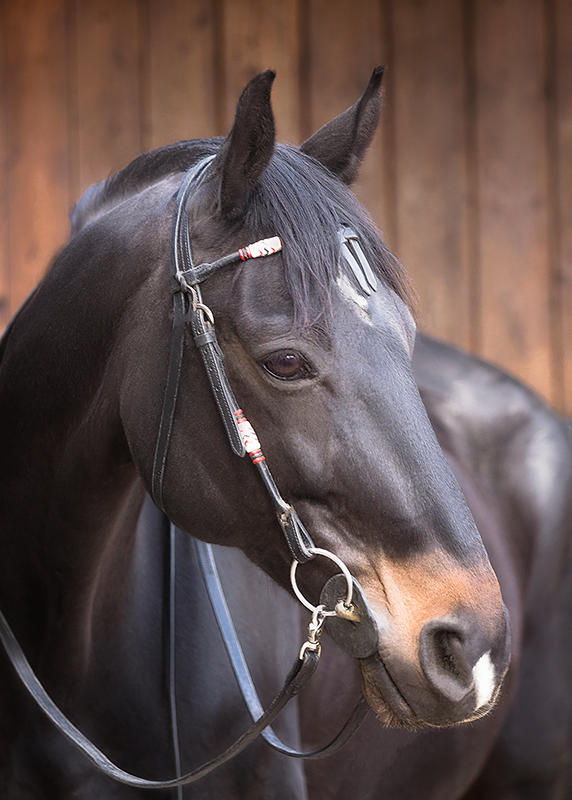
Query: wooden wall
x=470, y=177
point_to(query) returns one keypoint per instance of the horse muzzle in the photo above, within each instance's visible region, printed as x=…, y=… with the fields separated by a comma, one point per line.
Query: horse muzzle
x=455, y=675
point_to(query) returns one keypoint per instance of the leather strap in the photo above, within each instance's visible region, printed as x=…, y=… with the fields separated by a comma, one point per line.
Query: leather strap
x=240, y=668
x=224, y=397
x=180, y=317
x=169, y=400
x=188, y=308
x=184, y=276
x=182, y=257
x=301, y=672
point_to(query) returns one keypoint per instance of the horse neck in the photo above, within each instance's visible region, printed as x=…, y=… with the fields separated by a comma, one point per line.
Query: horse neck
x=69, y=492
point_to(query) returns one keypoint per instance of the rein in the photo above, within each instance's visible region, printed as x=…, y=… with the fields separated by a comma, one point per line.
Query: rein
x=301, y=672
x=188, y=308
x=242, y=673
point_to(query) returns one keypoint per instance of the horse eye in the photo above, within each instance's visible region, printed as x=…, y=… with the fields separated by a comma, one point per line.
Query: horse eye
x=288, y=366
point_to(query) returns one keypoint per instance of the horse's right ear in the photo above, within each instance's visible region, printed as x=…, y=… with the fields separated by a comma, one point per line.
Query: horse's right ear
x=248, y=148
x=341, y=144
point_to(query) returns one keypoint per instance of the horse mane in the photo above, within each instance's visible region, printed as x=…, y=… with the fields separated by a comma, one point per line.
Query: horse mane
x=143, y=171
x=296, y=198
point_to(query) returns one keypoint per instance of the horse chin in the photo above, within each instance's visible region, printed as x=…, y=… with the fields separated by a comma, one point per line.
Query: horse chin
x=383, y=696
x=394, y=711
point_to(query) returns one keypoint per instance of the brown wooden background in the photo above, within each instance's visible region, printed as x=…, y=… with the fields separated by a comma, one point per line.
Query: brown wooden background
x=470, y=177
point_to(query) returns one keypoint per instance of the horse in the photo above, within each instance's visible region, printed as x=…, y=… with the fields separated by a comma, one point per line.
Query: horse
x=319, y=344
x=512, y=457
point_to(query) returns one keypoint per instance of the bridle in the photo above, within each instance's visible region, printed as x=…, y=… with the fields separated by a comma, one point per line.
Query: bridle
x=188, y=308
x=342, y=601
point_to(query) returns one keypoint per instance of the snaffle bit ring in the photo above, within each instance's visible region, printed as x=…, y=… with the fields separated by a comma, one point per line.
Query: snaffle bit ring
x=317, y=551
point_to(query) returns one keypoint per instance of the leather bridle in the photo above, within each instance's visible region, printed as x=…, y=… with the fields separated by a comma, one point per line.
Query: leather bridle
x=341, y=590
x=188, y=308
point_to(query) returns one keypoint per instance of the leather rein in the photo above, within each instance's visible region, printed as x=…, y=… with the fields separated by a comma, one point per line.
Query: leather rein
x=188, y=309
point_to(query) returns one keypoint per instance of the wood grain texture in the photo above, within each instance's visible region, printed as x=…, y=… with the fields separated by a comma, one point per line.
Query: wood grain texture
x=36, y=114
x=562, y=170
x=258, y=35
x=430, y=161
x=182, y=90
x=108, y=87
x=512, y=192
x=468, y=177
x=346, y=41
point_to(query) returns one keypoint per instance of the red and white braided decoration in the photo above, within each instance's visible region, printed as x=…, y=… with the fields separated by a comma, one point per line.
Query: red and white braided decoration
x=249, y=437
x=265, y=247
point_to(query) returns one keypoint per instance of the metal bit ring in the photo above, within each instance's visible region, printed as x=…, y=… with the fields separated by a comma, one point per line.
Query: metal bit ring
x=317, y=551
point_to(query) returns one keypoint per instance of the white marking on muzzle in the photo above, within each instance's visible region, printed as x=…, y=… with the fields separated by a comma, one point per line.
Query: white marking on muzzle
x=484, y=677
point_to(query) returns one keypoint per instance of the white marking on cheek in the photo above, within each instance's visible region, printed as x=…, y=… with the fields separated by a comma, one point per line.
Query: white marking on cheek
x=355, y=298
x=484, y=677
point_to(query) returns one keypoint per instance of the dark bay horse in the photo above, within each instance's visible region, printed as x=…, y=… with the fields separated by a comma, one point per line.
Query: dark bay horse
x=322, y=367
x=513, y=459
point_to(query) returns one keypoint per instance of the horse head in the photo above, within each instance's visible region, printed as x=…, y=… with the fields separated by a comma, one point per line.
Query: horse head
x=317, y=345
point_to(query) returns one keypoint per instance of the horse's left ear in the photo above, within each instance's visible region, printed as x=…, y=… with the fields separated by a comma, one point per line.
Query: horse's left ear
x=248, y=148
x=341, y=144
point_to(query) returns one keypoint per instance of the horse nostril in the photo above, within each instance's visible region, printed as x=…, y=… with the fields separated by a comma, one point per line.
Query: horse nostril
x=448, y=652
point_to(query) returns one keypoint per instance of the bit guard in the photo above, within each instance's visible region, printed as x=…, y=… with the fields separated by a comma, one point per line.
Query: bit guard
x=357, y=639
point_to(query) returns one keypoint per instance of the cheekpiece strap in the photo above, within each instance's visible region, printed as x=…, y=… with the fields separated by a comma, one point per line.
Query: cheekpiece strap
x=188, y=308
x=181, y=264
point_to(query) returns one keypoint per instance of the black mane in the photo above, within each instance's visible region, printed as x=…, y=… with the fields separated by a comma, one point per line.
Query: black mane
x=296, y=198
x=143, y=171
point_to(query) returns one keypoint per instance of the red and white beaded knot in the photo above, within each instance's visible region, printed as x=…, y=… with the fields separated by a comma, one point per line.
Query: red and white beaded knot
x=249, y=437
x=265, y=247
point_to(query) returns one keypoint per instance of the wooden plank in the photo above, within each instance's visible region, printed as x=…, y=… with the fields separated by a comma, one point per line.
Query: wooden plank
x=4, y=167
x=258, y=35
x=430, y=162
x=344, y=48
x=346, y=41
x=379, y=192
x=562, y=169
x=108, y=87
x=182, y=71
x=37, y=133
x=512, y=192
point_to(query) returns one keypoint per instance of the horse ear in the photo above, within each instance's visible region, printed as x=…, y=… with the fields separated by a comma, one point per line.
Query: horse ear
x=248, y=148
x=341, y=144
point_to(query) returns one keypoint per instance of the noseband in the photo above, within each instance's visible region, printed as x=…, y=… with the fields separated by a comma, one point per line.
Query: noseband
x=342, y=591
